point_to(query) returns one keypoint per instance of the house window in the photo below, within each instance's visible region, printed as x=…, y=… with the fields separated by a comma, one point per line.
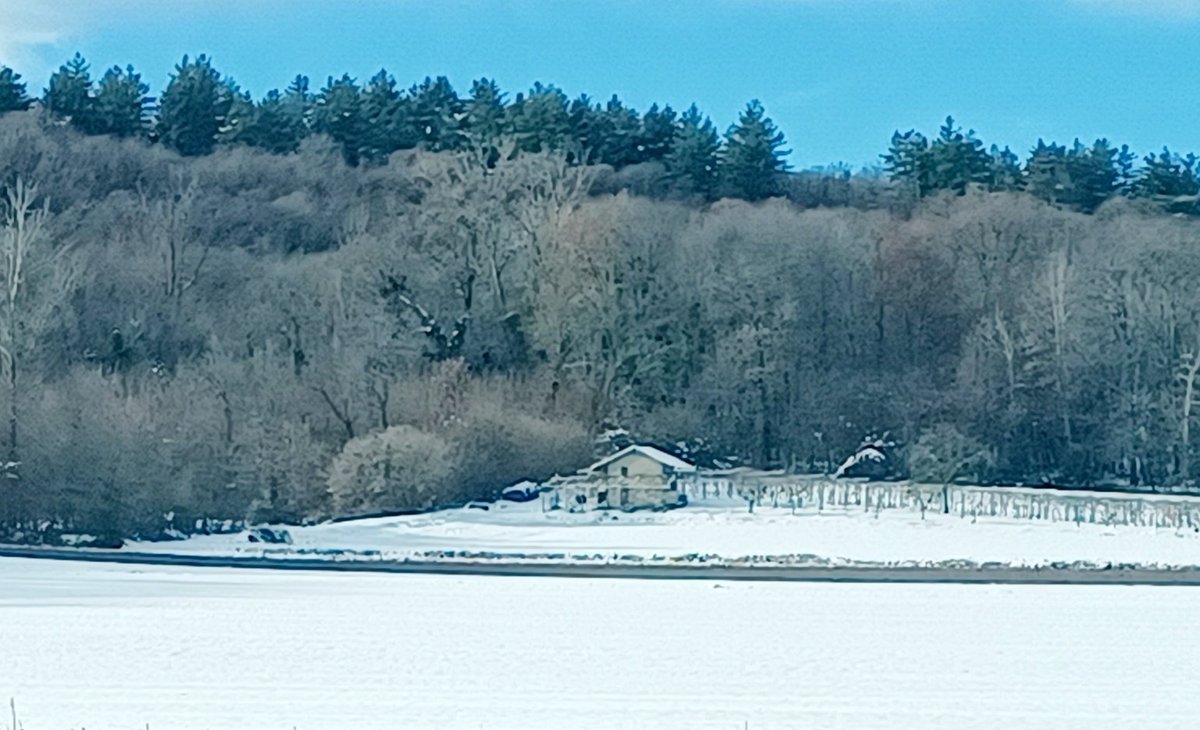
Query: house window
x=624, y=471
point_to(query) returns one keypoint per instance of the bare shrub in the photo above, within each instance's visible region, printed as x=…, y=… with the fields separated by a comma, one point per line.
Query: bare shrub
x=398, y=469
x=941, y=455
x=118, y=459
x=495, y=447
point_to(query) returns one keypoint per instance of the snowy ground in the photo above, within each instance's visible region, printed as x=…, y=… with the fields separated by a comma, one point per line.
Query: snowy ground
x=730, y=531
x=117, y=648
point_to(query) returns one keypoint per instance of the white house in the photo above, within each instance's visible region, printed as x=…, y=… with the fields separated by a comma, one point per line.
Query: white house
x=636, y=477
x=641, y=461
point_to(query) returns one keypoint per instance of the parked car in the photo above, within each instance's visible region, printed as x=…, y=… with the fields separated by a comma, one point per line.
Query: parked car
x=521, y=492
x=270, y=536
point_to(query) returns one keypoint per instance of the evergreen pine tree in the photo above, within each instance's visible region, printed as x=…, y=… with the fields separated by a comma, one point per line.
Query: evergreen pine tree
x=387, y=126
x=1046, y=173
x=908, y=160
x=69, y=95
x=753, y=157
x=657, y=133
x=437, y=115
x=958, y=159
x=274, y=127
x=12, y=91
x=1005, y=170
x=120, y=106
x=692, y=160
x=1126, y=159
x=194, y=108
x=590, y=128
x=240, y=118
x=1093, y=174
x=486, y=119
x=621, y=135
x=300, y=104
x=1167, y=175
x=541, y=120
x=339, y=115
x=486, y=123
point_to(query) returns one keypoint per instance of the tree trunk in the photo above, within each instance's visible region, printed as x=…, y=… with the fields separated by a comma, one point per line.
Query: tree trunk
x=765, y=423
x=227, y=414
x=1058, y=279
x=12, y=408
x=1189, y=377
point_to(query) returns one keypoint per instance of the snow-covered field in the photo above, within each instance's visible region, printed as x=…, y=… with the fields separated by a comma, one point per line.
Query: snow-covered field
x=115, y=647
x=730, y=531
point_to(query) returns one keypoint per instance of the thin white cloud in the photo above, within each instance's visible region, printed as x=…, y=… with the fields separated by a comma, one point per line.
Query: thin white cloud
x=35, y=34
x=28, y=27
x=1158, y=9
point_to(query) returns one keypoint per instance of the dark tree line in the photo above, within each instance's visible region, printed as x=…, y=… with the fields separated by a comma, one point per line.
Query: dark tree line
x=231, y=308
x=1080, y=177
x=201, y=109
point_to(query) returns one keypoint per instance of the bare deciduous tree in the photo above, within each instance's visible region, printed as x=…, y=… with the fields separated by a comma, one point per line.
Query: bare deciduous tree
x=1189, y=370
x=35, y=278
x=166, y=225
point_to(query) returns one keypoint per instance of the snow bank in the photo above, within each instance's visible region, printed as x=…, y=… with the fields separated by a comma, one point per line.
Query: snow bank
x=723, y=527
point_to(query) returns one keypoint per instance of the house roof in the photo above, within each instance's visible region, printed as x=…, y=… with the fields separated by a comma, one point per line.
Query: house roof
x=662, y=457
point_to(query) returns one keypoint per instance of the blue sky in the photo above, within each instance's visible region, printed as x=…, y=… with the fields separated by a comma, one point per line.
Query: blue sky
x=838, y=76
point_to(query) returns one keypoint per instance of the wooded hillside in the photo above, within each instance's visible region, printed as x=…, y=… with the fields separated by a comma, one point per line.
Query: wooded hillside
x=367, y=298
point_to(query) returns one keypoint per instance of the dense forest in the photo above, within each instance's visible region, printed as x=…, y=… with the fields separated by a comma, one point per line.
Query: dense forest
x=366, y=297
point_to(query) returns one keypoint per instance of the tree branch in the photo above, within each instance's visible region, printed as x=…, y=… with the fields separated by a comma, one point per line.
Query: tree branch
x=342, y=415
